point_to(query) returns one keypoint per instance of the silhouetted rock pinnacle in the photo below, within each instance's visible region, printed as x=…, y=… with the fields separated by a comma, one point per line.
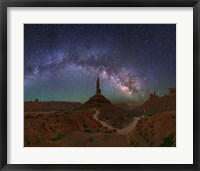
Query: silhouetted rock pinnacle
x=98, y=90
x=98, y=98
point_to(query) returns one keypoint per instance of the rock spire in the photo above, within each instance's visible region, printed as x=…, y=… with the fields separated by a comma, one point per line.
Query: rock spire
x=98, y=90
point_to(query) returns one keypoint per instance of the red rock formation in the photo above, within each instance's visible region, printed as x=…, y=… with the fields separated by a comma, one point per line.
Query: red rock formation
x=98, y=99
x=98, y=90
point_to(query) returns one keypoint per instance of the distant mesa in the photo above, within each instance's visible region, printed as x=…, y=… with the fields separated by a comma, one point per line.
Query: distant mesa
x=157, y=104
x=98, y=98
x=172, y=92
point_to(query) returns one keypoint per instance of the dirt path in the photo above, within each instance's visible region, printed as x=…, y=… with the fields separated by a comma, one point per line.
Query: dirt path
x=123, y=131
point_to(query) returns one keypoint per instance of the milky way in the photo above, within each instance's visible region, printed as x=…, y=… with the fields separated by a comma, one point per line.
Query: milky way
x=63, y=61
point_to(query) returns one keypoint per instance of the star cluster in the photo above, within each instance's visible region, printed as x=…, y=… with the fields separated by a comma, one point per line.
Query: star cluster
x=62, y=61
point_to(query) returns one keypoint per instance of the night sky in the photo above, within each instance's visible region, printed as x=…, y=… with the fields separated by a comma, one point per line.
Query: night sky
x=61, y=62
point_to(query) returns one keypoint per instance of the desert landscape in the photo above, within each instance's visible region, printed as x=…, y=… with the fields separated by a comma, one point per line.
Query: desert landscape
x=99, y=123
x=100, y=85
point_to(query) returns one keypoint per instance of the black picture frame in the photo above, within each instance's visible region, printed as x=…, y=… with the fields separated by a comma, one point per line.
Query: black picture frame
x=4, y=4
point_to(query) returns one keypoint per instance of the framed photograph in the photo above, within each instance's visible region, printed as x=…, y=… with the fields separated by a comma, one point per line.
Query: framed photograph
x=99, y=85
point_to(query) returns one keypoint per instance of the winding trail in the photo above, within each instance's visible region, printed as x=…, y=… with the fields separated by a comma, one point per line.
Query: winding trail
x=123, y=131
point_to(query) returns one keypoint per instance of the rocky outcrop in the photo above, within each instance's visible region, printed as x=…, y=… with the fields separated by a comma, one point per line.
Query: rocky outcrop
x=157, y=104
x=98, y=100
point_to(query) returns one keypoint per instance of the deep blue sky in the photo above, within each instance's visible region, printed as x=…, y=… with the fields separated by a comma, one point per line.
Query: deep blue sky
x=61, y=62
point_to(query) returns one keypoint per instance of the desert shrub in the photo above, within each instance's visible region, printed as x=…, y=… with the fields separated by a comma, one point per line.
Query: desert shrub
x=108, y=131
x=85, y=126
x=51, y=128
x=114, y=130
x=151, y=144
x=91, y=139
x=133, y=143
x=106, y=135
x=145, y=134
x=87, y=130
x=59, y=136
x=97, y=129
x=168, y=140
x=28, y=142
x=38, y=140
x=174, y=118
